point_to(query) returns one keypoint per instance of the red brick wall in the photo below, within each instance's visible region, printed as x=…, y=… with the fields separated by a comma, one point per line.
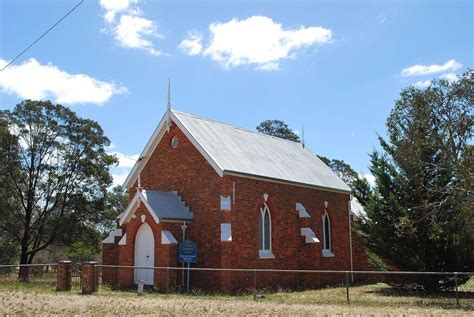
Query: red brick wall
x=184, y=170
x=110, y=252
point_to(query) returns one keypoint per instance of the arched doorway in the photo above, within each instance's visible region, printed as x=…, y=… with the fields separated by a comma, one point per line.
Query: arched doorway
x=144, y=254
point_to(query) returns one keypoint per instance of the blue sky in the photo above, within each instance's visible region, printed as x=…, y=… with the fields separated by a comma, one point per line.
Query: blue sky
x=337, y=67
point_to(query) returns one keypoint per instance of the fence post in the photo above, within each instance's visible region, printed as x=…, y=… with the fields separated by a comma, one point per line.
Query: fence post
x=347, y=288
x=88, y=279
x=167, y=279
x=255, y=284
x=456, y=282
x=63, y=276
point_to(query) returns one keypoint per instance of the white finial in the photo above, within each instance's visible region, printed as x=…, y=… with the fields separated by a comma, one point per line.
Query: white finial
x=169, y=95
x=302, y=134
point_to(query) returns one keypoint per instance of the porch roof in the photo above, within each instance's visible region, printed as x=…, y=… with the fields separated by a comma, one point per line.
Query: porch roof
x=163, y=206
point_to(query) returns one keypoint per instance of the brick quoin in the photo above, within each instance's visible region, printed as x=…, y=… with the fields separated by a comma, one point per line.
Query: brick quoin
x=186, y=171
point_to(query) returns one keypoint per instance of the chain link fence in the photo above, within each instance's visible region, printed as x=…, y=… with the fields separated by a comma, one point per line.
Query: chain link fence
x=426, y=289
x=437, y=289
x=32, y=274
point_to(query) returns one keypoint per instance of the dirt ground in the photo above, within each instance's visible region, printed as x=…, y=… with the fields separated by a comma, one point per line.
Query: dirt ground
x=30, y=303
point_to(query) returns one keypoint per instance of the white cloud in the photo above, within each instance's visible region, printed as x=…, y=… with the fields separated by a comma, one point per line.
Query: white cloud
x=32, y=80
x=422, y=84
x=370, y=178
x=131, y=30
x=256, y=41
x=125, y=161
x=134, y=32
x=452, y=77
x=192, y=45
x=418, y=70
x=112, y=7
x=119, y=178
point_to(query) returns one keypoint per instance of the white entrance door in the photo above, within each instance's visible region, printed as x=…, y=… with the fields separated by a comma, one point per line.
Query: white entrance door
x=144, y=254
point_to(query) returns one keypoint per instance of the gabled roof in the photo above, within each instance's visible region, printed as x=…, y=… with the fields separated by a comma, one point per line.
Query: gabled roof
x=357, y=209
x=235, y=151
x=167, y=205
x=161, y=205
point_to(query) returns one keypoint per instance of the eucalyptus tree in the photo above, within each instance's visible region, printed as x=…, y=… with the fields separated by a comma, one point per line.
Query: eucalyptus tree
x=55, y=170
x=279, y=129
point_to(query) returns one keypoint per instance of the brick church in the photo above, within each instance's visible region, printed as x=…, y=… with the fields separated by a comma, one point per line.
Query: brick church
x=248, y=200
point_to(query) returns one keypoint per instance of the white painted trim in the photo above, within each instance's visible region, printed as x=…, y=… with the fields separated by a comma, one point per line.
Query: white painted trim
x=282, y=181
x=219, y=169
x=132, y=208
x=147, y=205
x=262, y=215
x=310, y=236
x=123, y=241
x=161, y=129
x=224, y=201
x=147, y=151
x=327, y=251
x=155, y=139
x=265, y=254
x=302, y=212
x=112, y=235
x=226, y=232
x=167, y=237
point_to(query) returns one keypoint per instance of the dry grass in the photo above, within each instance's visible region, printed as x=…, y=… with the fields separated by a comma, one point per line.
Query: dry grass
x=40, y=298
x=29, y=302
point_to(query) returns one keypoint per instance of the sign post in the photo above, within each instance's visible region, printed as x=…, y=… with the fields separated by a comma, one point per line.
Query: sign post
x=187, y=253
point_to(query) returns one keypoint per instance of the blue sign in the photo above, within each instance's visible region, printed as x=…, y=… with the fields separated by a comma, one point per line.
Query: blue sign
x=187, y=252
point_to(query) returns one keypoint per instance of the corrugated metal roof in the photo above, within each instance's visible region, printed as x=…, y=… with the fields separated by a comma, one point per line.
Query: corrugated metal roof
x=357, y=209
x=236, y=150
x=167, y=205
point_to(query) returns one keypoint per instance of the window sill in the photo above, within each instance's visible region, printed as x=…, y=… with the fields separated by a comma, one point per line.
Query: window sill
x=327, y=253
x=265, y=254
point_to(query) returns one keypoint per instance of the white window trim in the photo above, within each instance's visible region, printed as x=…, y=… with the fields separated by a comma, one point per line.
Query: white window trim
x=225, y=199
x=226, y=232
x=327, y=252
x=265, y=253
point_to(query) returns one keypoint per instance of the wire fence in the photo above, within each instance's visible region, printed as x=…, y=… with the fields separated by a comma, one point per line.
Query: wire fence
x=379, y=288
x=441, y=289
x=42, y=274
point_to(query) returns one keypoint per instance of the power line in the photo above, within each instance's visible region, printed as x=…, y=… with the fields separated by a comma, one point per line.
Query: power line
x=42, y=35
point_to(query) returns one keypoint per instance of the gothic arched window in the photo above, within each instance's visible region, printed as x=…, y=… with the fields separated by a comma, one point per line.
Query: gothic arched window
x=265, y=230
x=327, y=248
